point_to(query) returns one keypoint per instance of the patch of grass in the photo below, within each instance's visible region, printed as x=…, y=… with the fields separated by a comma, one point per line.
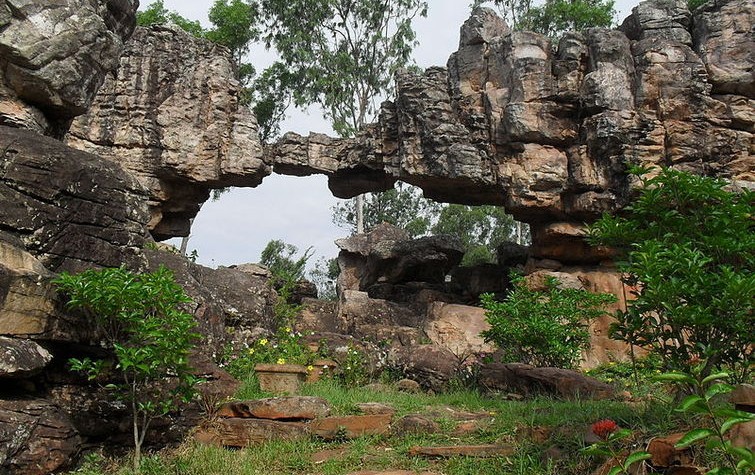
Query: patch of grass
x=508, y=422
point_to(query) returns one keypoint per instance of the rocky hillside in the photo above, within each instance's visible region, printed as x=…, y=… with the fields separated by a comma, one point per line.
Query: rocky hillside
x=545, y=130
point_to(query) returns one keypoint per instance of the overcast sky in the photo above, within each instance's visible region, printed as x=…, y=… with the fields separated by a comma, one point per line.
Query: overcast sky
x=235, y=229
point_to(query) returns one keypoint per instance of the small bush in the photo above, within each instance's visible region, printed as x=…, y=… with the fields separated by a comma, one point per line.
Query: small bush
x=543, y=327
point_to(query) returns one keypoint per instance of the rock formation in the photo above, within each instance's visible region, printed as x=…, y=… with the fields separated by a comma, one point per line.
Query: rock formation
x=172, y=118
x=55, y=56
x=545, y=130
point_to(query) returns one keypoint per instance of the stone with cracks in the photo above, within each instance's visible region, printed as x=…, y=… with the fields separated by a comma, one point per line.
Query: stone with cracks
x=36, y=437
x=350, y=427
x=294, y=407
x=525, y=379
x=172, y=117
x=55, y=57
x=21, y=358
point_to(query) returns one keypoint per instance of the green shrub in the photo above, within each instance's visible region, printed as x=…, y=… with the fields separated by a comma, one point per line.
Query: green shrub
x=285, y=347
x=543, y=327
x=141, y=318
x=689, y=249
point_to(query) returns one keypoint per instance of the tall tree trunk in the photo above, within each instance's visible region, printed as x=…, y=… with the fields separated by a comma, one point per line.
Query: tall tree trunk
x=360, y=214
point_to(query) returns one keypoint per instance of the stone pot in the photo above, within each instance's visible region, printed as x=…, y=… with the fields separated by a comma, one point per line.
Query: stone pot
x=319, y=369
x=280, y=378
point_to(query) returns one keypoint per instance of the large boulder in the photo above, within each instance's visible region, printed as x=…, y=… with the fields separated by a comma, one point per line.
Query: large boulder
x=457, y=328
x=432, y=366
x=386, y=255
x=69, y=208
x=55, y=57
x=525, y=379
x=21, y=358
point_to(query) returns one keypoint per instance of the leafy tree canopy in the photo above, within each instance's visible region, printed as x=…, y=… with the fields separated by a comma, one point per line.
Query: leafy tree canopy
x=280, y=258
x=689, y=247
x=555, y=17
x=343, y=53
x=157, y=14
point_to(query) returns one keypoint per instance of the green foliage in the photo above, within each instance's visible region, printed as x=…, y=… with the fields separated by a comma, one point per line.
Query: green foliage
x=280, y=258
x=157, y=14
x=343, y=53
x=719, y=419
x=690, y=260
x=141, y=318
x=555, y=17
x=271, y=94
x=352, y=371
x=694, y=4
x=402, y=206
x=481, y=230
x=235, y=26
x=285, y=347
x=324, y=275
x=543, y=327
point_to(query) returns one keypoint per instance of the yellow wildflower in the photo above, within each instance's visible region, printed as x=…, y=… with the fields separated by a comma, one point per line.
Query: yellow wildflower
x=281, y=361
x=263, y=341
x=251, y=351
x=310, y=368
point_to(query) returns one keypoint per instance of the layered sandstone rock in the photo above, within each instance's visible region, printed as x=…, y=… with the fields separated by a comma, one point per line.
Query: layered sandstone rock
x=55, y=56
x=545, y=129
x=172, y=118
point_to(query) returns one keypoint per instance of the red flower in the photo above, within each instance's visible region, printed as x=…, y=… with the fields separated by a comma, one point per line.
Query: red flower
x=604, y=428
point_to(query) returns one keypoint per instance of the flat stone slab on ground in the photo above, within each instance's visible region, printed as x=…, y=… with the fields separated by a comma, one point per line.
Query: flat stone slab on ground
x=373, y=408
x=350, y=427
x=238, y=432
x=277, y=408
x=485, y=450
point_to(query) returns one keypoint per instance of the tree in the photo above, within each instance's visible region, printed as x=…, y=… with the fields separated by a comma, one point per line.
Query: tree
x=280, y=258
x=543, y=327
x=343, y=52
x=235, y=26
x=555, y=17
x=141, y=318
x=324, y=275
x=689, y=250
x=481, y=230
x=157, y=14
x=402, y=206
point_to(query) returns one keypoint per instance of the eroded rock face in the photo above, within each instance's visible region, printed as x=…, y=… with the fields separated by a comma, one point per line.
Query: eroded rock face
x=21, y=358
x=55, y=56
x=172, y=118
x=69, y=208
x=545, y=130
x=36, y=437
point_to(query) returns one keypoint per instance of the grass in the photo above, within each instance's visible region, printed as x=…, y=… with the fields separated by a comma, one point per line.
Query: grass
x=509, y=422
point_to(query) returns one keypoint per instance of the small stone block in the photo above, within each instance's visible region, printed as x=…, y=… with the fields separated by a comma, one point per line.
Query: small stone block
x=350, y=427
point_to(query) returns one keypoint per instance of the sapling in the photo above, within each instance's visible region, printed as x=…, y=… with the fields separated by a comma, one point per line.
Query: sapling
x=141, y=318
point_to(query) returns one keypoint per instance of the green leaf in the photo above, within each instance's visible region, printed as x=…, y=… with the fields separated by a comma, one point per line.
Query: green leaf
x=693, y=436
x=729, y=423
x=692, y=403
x=714, y=377
x=675, y=378
x=636, y=457
x=615, y=471
x=716, y=389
